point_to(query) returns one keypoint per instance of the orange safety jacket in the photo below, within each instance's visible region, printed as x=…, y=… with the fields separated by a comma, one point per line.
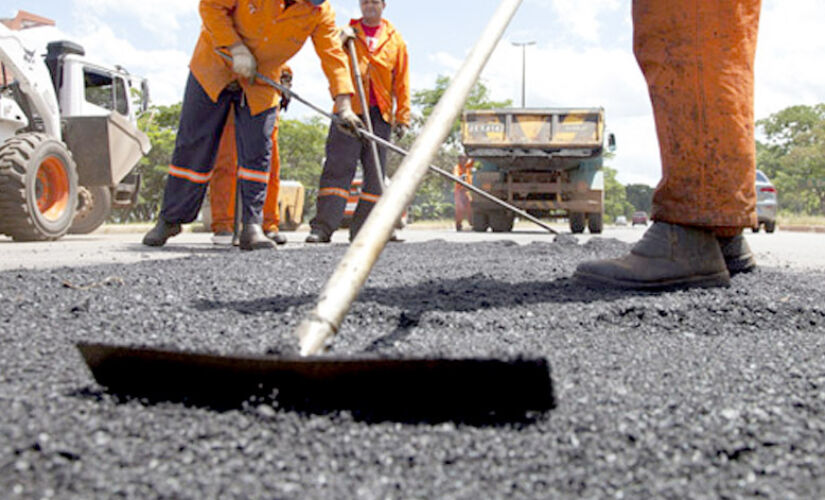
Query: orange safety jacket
x=465, y=173
x=385, y=70
x=273, y=35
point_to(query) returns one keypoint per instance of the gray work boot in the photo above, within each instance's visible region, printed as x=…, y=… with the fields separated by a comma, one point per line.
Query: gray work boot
x=253, y=238
x=668, y=256
x=157, y=236
x=737, y=254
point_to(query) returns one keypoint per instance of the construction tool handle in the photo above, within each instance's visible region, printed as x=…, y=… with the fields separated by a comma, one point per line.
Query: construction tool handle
x=458, y=180
x=362, y=96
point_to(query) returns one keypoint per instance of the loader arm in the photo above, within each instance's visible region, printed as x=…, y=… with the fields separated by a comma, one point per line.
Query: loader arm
x=31, y=73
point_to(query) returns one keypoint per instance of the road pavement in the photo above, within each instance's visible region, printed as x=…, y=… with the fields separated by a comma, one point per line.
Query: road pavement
x=121, y=244
x=697, y=394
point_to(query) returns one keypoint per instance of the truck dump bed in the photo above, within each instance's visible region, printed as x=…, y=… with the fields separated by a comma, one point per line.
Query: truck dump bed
x=533, y=138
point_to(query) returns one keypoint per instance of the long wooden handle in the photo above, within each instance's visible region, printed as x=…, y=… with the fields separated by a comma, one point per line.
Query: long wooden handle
x=349, y=277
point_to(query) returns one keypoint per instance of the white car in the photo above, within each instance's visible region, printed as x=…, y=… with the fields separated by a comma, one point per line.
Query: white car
x=621, y=220
x=766, y=203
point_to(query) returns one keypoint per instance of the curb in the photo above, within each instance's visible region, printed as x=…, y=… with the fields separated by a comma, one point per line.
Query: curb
x=803, y=229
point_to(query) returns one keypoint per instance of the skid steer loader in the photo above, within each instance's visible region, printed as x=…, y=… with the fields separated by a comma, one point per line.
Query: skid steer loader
x=68, y=140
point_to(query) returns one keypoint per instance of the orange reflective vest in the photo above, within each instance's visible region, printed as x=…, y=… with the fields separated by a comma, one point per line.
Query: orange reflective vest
x=385, y=70
x=465, y=173
x=273, y=35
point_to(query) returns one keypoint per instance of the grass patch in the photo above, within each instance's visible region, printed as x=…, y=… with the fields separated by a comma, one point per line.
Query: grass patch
x=791, y=219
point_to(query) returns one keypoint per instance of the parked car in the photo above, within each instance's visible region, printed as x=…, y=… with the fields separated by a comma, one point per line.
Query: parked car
x=766, y=204
x=639, y=218
x=621, y=220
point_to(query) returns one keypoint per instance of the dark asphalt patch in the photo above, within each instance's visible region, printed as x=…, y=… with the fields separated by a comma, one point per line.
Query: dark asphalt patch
x=695, y=394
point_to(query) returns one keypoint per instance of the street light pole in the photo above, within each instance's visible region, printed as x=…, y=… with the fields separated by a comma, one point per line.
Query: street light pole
x=523, y=46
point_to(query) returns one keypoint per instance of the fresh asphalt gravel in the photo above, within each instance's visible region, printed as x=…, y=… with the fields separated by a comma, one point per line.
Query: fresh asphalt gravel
x=714, y=393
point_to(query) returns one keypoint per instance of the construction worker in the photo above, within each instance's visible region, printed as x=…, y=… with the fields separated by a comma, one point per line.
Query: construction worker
x=222, y=186
x=464, y=171
x=697, y=57
x=383, y=61
x=260, y=37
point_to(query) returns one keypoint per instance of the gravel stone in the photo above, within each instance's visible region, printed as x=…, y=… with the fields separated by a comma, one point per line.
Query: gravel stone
x=693, y=394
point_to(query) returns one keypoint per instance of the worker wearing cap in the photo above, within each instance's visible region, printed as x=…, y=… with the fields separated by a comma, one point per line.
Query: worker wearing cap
x=224, y=175
x=261, y=37
x=464, y=171
x=697, y=57
x=383, y=61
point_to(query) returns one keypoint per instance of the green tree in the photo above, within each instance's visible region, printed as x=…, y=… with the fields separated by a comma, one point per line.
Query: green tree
x=640, y=196
x=479, y=98
x=615, y=198
x=301, y=145
x=793, y=156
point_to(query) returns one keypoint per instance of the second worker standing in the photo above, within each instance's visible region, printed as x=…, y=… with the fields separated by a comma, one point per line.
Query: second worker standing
x=383, y=63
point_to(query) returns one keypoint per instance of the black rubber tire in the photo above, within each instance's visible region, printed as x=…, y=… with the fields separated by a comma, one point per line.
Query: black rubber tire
x=755, y=228
x=577, y=222
x=770, y=226
x=501, y=222
x=481, y=221
x=94, y=204
x=595, y=223
x=21, y=158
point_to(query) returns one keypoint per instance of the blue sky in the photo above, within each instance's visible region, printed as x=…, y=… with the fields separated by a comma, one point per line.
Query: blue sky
x=583, y=55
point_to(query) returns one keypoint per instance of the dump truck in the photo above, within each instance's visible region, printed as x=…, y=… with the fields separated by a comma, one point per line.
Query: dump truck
x=546, y=161
x=69, y=140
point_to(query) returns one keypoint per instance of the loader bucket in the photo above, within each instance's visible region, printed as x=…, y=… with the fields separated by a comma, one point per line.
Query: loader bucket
x=372, y=388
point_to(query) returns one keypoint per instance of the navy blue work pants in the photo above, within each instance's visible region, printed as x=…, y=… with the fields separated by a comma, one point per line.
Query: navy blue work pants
x=196, y=145
x=343, y=152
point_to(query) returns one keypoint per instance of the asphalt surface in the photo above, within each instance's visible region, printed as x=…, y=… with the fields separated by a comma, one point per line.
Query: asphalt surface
x=695, y=394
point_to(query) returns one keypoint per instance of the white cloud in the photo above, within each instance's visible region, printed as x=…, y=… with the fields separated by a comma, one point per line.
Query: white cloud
x=789, y=56
x=162, y=18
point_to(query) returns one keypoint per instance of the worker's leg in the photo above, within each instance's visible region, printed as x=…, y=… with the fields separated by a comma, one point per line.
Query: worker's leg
x=342, y=153
x=458, y=201
x=373, y=179
x=222, y=186
x=271, y=215
x=697, y=57
x=462, y=208
x=253, y=135
x=201, y=124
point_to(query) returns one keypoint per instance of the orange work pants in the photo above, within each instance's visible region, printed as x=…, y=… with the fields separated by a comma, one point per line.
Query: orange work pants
x=224, y=176
x=697, y=57
x=462, y=206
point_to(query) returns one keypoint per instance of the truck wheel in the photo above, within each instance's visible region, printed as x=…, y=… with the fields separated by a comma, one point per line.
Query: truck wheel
x=94, y=204
x=577, y=222
x=594, y=223
x=38, y=188
x=501, y=222
x=481, y=221
x=770, y=226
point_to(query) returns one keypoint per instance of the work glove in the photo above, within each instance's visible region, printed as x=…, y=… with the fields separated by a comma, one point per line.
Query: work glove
x=346, y=34
x=347, y=121
x=399, y=130
x=243, y=62
x=286, y=81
